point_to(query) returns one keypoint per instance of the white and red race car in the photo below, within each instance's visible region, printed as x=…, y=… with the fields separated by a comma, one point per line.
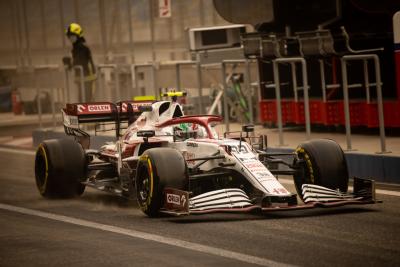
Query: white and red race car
x=180, y=165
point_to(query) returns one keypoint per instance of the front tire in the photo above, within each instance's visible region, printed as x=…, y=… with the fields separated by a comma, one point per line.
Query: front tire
x=157, y=169
x=323, y=163
x=60, y=165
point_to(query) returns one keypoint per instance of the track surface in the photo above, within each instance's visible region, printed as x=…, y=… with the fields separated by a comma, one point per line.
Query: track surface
x=347, y=236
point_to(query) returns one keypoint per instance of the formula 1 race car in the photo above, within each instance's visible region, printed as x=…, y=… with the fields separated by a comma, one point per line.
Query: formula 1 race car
x=180, y=165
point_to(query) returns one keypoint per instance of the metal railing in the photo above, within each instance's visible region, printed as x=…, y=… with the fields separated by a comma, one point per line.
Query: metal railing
x=305, y=88
x=378, y=85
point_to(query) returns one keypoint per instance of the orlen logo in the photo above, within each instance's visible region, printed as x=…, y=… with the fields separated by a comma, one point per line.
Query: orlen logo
x=173, y=199
x=176, y=199
x=99, y=108
x=124, y=107
x=81, y=108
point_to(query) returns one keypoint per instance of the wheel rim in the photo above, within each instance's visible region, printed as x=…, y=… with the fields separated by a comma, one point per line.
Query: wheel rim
x=143, y=187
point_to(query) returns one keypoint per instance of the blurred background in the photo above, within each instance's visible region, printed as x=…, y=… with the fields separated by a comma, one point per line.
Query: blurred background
x=123, y=31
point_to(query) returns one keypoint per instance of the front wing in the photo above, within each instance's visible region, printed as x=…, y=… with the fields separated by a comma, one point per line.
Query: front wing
x=235, y=200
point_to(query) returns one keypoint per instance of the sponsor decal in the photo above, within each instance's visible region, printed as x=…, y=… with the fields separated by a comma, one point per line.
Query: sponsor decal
x=191, y=144
x=124, y=107
x=81, y=108
x=136, y=106
x=254, y=165
x=280, y=191
x=188, y=156
x=262, y=174
x=99, y=108
x=176, y=199
x=247, y=159
x=256, y=169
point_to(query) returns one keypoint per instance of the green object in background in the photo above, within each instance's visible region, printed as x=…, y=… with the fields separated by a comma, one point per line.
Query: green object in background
x=242, y=100
x=238, y=91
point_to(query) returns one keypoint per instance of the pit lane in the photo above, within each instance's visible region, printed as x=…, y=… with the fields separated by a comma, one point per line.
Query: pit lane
x=347, y=236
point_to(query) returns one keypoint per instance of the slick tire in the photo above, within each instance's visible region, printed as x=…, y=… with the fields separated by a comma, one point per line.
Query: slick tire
x=322, y=162
x=159, y=168
x=60, y=165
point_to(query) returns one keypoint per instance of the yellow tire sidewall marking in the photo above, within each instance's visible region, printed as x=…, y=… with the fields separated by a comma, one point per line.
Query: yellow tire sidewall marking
x=307, y=158
x=44, y=186
x=146, y=159
x=151, y=176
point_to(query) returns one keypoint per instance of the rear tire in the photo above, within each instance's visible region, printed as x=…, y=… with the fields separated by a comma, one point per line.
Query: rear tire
x=60, y=165
x=157, y=169
x=323, y=163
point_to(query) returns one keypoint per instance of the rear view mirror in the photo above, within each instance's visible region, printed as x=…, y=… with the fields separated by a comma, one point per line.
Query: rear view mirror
x=248, y=128
x=146, y=133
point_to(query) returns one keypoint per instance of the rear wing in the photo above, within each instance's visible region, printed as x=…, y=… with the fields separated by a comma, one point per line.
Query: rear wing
x=101, y=112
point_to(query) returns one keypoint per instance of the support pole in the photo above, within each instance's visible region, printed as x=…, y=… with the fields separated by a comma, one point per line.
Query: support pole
x=27, y=38
x=323, y=81
x=380, y=104
x=249, y=91
x=39, y=107
x=294, y=80
x=43, y=29
x=103, y=25
x=226, y=111
x=346, y=103
x=61, y=14
x=200, y=87
x=278, y=100
x=53, y=108
x=154, y=76
x=306, y=99
x=153, y=52
x=178, y=77
x=366, y=80
x=131, y=44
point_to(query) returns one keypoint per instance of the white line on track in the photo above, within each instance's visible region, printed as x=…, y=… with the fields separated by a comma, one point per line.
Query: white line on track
x=146, y=236
x=19, y=141
x=17, y=151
